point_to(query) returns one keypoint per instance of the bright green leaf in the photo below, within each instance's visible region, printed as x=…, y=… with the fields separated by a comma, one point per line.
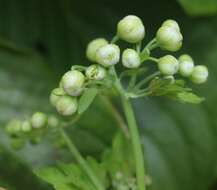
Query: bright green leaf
x=86, y=99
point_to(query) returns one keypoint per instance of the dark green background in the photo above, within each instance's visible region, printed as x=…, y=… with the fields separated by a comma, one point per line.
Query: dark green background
x=41, y=39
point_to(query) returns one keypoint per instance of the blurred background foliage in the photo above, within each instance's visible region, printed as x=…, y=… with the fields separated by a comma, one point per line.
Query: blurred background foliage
x=41, y=39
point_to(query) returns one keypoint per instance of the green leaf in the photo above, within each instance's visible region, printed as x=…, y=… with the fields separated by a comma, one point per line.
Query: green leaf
x=188, y=97
x=66, y=176
x=199, y=7
x=86, y=99
x=119, y=159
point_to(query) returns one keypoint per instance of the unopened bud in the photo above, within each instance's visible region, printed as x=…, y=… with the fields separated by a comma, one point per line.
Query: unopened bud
x=95, y=72
x=186, y=65
x=93, y=46
x=130, y=58
x=72, y=82
x=67, y=105
x=131, y=29
x=38, y=120
x=168, y=38
x=199, y=74
x=108, y=55
x=168, y=65
x=55, y=95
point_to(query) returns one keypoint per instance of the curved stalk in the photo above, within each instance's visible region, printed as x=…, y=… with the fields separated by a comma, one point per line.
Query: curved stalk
x=81, y=161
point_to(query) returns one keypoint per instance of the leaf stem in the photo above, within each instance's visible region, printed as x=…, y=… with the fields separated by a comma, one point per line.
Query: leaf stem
x=116, y=115
x=81, y=161
x=144, y=81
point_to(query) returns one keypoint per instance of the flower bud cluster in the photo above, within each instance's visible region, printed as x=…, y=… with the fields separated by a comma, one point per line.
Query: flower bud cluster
x=21, y=131
x=74, y=82
x=168, y=65
x=105, y=55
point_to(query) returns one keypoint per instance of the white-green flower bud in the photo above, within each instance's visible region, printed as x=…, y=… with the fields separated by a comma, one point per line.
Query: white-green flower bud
x=168, y=38
x=26, y=126
x=55, y=95
x=95, y=72
x=93, y=46
x=108, y=55
x=38, y=120
x=168, y=65
x=13, y=127
x=199, y=74
x=130, y=58
x=171, y=23
x=131, y=29
x=67, y=105
x=73, y=82
x=53, y=121
x=186, y=65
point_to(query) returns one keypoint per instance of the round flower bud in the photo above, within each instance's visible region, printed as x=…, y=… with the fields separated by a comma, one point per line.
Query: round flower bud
x=95, y=72
x=108, y=55
x=171, y=23
x=168, y=65
x=26, y=126
x=131, y=29
x=53, y=121
x=186, y=65
x=93, y=46
x=67, y=105
x=13, y=127
x=199, y=74
x=55, y=95
x=130, y=58
x=38, y=120
x=168, y=38
x=72, y=82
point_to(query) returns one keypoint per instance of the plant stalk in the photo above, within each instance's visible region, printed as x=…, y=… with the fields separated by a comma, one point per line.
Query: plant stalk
x=134, y=134
x=81, y=161
x=137, y=147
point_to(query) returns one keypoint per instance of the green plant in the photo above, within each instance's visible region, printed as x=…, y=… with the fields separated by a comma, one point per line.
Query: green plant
x=117, y=169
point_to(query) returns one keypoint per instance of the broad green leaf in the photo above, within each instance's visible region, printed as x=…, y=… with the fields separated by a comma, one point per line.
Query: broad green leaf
x=199, y=7
x=86, y=99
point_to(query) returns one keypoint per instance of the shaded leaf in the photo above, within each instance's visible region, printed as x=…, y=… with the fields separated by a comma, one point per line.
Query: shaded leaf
x=199, y=7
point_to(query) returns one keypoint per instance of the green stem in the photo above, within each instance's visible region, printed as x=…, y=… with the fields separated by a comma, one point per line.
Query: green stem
x=116, y=115
x=137, y=147
x=81, y=161
x=147, y=79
